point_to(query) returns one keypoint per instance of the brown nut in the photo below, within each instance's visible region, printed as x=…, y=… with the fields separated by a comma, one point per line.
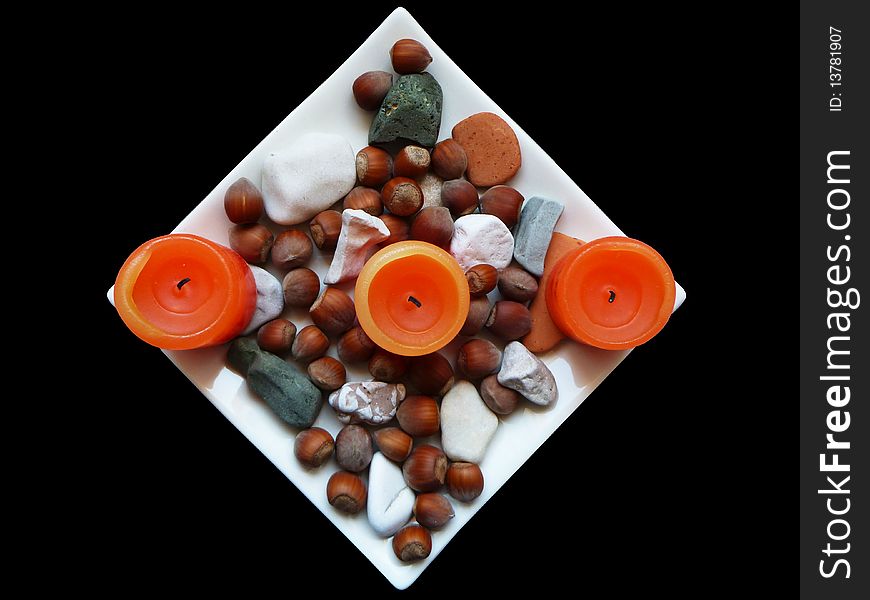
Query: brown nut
x=310, y=343
x=482, y=279
x=478, y=313
x=292, y=248
x=346, y=492
x=355, y=346
x=386, y=366
x=464, y=481
x=411, y=161
x=333, y=311
x=327, y=373
x=370, y=88
x=402, y=196
x=313, y=447
x=449, y=160
x=478, y=358
x=353, y=448
x=412, y=543
x=365, y=199
x=459, y=196
x=433, y=510
x=517, y=284
x=301, y=287
x=509, y=320
x=399, y=229
x=252, y=241
x=425, y=468
x=433, y=224
x=324, y=229
x=374, y=166
x=419, y=416
x=498, y=398
x=503, y=202
x=393, y=443
x=276, y=336
x=431, y=374
x=409, y=56
x=243, y=202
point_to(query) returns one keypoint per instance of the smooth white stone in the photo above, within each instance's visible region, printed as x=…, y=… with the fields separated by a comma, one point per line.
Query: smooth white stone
x=481, y=239
x=467, y=424
x=270, y=299
x=360, y=233
x=527, y=374
x=390, y=500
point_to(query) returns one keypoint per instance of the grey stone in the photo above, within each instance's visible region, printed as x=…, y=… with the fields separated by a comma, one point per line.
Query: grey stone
x=286, y=390
x=410, y=111
x=527, y=374
x=241, y=354
x=534, y=231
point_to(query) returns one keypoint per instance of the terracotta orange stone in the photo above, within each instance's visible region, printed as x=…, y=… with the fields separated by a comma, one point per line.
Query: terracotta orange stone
x=492, y=148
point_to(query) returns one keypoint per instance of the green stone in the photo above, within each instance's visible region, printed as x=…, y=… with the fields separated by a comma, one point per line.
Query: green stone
x=242, y=353
x=410, y=111
x=286, y=390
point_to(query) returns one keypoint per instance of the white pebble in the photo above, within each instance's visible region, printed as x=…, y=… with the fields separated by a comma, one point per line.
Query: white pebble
x=527, y=374
x=430, y=184
x=467, y=424
x=307, y=177
x=374, y=402
x=481, y=239
x=270, y=299
x=390, y=500
x=360, y=233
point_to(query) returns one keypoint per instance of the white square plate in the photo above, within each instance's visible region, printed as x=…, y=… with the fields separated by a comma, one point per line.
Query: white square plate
x=578, y=369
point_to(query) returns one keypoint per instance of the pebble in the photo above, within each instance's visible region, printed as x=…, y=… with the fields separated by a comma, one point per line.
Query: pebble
x=430, y=184
x=534, y=232
x=270, y=299
x=390, y=500
x=373, y=402
x=287, y=391
x=481, y=239
x=467, y=424
x=527, y=374
x=492, y=147
x=360, y=233
x=241, y=354
x=410, y=111
x=307, y=177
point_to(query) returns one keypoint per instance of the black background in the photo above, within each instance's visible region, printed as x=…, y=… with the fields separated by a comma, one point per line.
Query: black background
x=663, y=478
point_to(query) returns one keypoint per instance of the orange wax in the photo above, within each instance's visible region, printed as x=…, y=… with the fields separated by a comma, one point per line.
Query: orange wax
x=411, y=298
x=612, y=293
x=182, y=291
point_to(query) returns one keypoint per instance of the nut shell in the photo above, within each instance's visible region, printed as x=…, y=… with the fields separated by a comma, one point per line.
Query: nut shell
x=433, y=224
x=419, y=416
x=499, y=399
x=333, y=311
x=464, y=481
x=509, y=320
x=252, y=241
x=431, y=374
x=425, y=469
x=355, y=346
x=394, y=443
x=313, y=447
x=412, y=543
x=324, y=229
x=411, y=161
x=503, y=202
x=370, y=88
x=346, y=492
x=386, y=366
x=374, y=166
x=432, y=510
x=517, y=284
x=478, y=358
x=478, y=312
x=402, y=196
x=365, y=199
x=301, y=287
x=449, y=160
x=459, y=196
x=353, y=448
x=482, y=279
x=292, y=248
x=399, y=229
x=276, y=336
x=327, y=373
x=310, y=343
x=243, y=202
x=409, y=56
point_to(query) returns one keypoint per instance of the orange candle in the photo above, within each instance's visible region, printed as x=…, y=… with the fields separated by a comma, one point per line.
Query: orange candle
x=182, y=291
x=612, y=293
x=412, y=298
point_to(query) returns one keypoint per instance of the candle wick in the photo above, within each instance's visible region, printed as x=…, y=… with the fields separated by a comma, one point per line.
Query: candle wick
x=182, y=282
x=612, y=296
x=414, y=301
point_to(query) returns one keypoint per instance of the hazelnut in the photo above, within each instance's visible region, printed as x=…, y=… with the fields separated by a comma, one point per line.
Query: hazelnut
x=411, y=543
x=482, y=279
x=464, y=481
x=411, y=161
x=292, y=249
x=325, y=228
x=517, y=284
x=498, y=398
x=346, y=492
x=374, y=166
x=333, y=311
x=431, y=374
x=365, y=199
x=399, y=229
x=503, y=202
x=353, y=448
x=394, y=443
x=386, y=366
x=459, y=196
x=243, y=202
x=478, y=358
x=276, y=336
x=419, y=416
x=313, y=447
x=449, y=160
x=478, y=312
x=310, y=343
x=409, y=56
x=425, y=468
x=370, y=88
x=433, y=224
x=252, y=241
x=301, y=287
x=509, y=320
x=432, y=510
x=355, y=346
x=402, y=196
x=327, y=373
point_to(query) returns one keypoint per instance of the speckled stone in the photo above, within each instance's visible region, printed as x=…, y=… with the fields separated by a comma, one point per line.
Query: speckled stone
x=241, y=354
x=288, y=392
x=411, y=111
x=493, y=149
x=534, y=231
